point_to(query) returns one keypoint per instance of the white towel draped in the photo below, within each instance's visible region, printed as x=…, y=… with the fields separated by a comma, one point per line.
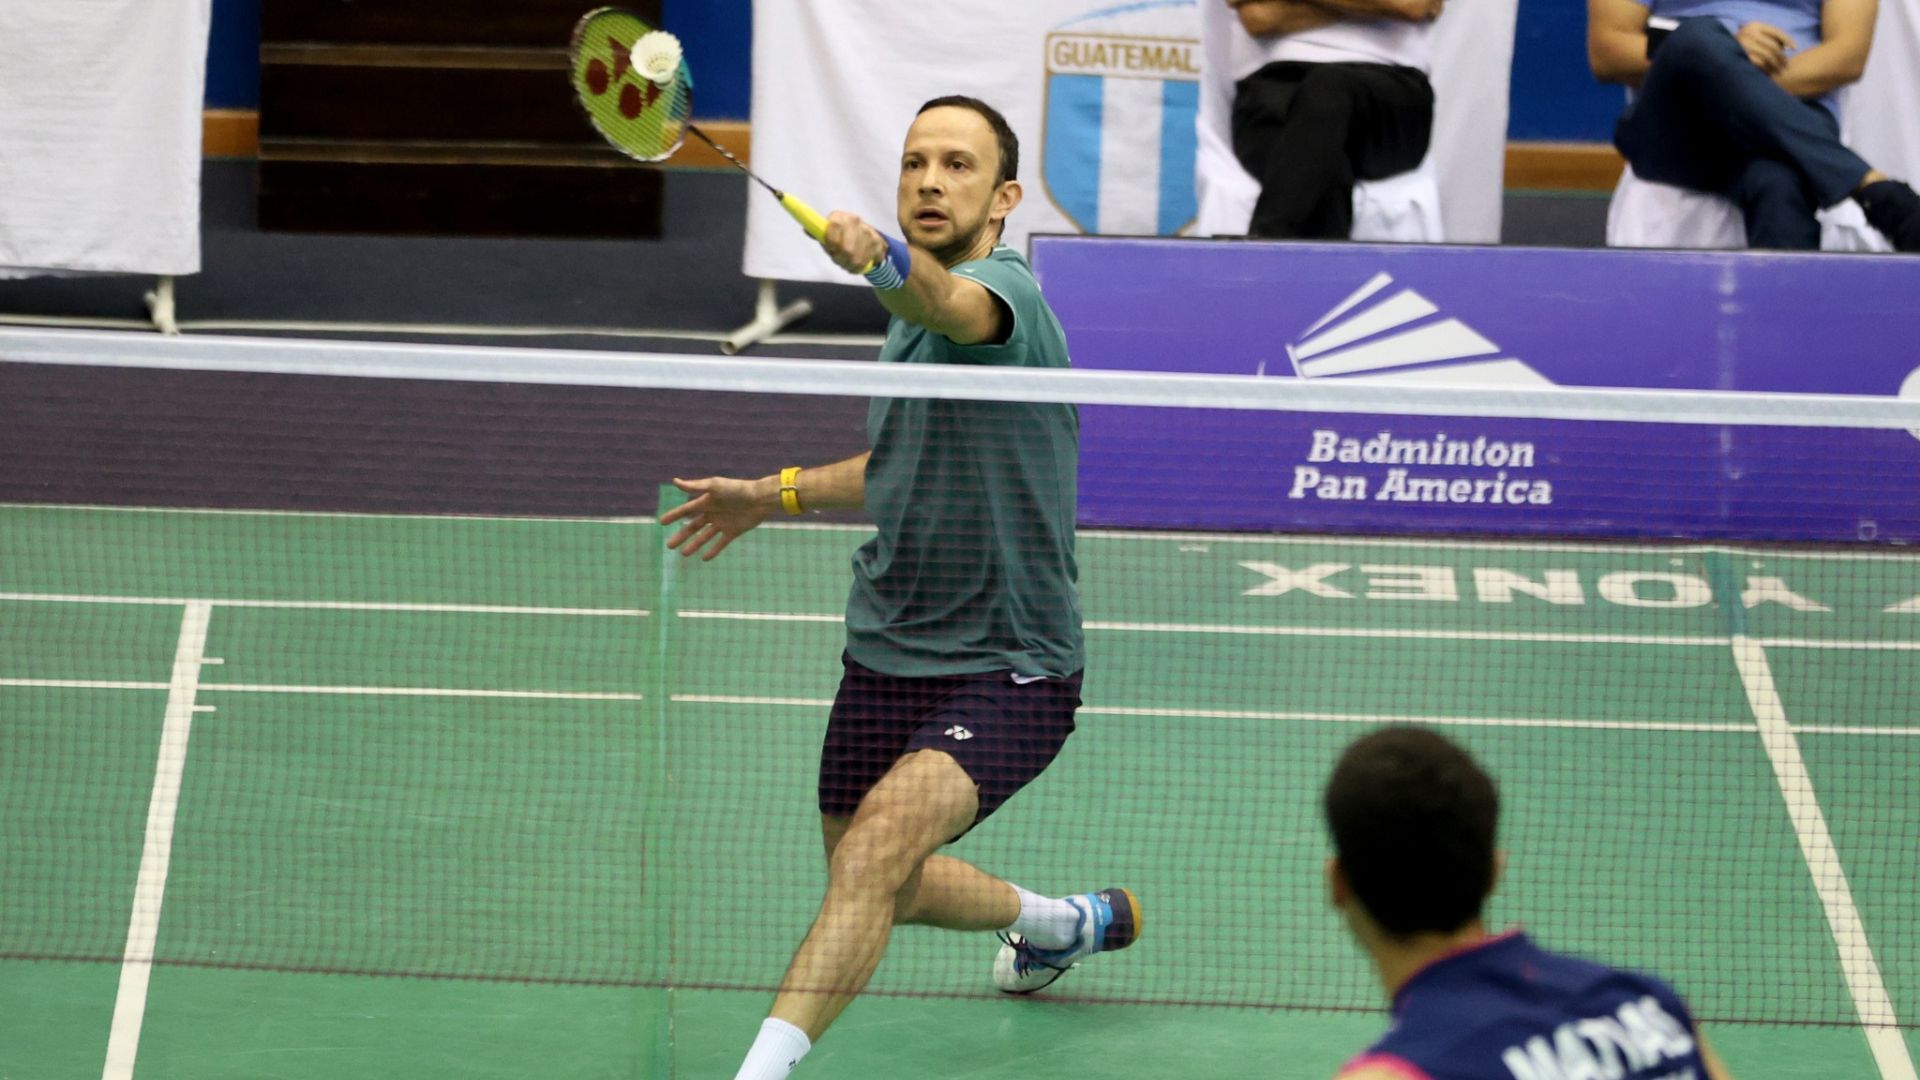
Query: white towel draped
x=100, y=106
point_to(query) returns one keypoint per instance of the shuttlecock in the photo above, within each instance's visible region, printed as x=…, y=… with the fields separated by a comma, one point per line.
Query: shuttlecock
x=656, y=56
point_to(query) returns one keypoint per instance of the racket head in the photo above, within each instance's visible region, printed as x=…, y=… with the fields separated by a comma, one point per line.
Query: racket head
x=645, y=120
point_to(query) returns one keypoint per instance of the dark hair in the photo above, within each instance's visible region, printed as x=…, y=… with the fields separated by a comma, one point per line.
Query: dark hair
x=1413, y=818
x=1002, y=131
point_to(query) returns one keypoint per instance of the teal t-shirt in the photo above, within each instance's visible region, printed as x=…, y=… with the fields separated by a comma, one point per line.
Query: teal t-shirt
x=973, y=567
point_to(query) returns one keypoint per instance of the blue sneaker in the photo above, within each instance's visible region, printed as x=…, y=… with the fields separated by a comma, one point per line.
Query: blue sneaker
x=1109, y=920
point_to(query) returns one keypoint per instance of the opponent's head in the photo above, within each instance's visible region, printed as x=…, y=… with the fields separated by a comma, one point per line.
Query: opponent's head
x=1413, y=819
x=958, y=178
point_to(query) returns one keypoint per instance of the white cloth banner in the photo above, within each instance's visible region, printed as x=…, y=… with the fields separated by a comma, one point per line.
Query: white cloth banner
x=1472, y=68
x=1101, y=96
x=100, y=106
x=1880, y=125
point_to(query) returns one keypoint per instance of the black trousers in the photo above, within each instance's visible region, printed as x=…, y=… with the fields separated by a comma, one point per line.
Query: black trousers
x=1308, y=132
x=1706, y=118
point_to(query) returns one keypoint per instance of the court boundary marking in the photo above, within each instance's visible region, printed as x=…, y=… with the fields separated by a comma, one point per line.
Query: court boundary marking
x=1879, y=1023
x=1417, y=633
x=156, y=854
x=321, y=605
x=1474, y=543
x=250, y=511
x=1314, y=716
x=1101, y=625
x=317, y=689
x=1146, y=712
x=1105, y=626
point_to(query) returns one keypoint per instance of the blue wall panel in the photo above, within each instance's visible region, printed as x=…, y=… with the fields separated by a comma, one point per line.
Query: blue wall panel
x=233, y=55
x=1553, y=94
x=719, y=39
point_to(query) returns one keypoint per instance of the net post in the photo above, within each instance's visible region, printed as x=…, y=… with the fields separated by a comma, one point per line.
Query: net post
x=659, y=804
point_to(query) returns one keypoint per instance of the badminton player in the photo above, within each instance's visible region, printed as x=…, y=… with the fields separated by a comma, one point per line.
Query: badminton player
x=1413, y=818
x=964, y=653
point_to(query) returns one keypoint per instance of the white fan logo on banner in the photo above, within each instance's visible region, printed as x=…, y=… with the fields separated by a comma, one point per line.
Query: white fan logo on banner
x=1397, y=339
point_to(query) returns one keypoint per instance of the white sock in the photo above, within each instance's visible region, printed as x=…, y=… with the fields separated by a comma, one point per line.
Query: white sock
x=775, y=1052
x=1048, y=923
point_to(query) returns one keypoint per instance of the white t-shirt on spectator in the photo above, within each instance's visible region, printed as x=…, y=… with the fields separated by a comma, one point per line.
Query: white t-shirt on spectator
x=1364, y=41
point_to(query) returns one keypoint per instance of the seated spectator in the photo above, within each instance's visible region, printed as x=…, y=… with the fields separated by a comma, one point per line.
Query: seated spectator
x=1336, y=92
x=1736, y=98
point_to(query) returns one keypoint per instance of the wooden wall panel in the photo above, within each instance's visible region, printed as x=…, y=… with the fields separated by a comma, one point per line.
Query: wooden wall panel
x=462, y=198
x=450, y=117
x=471, y=23
x=502, y=105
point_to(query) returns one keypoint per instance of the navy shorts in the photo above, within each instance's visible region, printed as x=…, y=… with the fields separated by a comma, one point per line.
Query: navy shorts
x=1001, y=732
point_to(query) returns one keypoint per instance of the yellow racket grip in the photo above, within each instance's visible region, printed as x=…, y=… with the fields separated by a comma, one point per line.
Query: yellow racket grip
x=810, y=220
x=807, y=216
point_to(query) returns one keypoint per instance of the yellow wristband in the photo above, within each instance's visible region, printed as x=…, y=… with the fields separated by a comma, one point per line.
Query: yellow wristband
x=789, y=494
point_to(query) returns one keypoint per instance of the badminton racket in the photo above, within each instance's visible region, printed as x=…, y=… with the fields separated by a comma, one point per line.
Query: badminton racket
x=634, y=83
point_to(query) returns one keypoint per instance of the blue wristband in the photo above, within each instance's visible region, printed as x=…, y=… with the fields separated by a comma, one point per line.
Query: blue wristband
x=892, y=269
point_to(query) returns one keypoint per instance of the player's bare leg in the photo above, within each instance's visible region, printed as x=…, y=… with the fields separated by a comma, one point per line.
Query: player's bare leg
x=882, y=872
x=944, y=892
x=925, y=800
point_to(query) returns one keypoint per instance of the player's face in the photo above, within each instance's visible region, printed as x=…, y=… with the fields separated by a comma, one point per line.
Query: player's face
x=949, y=200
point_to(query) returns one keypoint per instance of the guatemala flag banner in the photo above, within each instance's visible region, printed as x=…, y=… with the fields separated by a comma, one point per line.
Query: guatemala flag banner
x=1122, y=89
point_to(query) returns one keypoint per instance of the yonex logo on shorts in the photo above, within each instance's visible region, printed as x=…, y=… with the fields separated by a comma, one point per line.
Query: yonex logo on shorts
x=959, y=732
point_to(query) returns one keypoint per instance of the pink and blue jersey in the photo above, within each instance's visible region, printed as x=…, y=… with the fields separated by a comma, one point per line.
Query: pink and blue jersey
x=1506, y=1009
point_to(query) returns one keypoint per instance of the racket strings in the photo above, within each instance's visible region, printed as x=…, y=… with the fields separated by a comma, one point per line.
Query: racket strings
x=644, y=119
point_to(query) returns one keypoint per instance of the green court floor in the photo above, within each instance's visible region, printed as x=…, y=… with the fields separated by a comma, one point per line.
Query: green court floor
x=386, y=796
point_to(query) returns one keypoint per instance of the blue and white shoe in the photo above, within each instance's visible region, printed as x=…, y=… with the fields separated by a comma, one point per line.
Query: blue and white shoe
x=1109, y=920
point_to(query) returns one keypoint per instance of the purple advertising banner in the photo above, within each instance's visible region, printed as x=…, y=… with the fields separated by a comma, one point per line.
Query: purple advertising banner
x=1495, y=317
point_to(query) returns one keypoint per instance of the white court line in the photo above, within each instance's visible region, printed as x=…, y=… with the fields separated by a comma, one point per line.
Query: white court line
x=1393, y=632
x=1288, y=631
x=744, y=699
x=1869, y=992
x=1852, y=729
x=1395, y=718
x=1101, y=625
x=143, y=927
x=421, y=691
x=1097, y=710
x=321, y=605
x=1550, y=636
x=214, y=511
x=87, y=684
x=1822, y=643
x=1632, y=545
x=1243, y=714
x=366, y=691
x=1652, y=548
x=762, y=616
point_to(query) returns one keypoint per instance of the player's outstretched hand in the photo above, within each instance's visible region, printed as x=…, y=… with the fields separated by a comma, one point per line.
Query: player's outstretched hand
x=720, y=510
x=851, y=243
